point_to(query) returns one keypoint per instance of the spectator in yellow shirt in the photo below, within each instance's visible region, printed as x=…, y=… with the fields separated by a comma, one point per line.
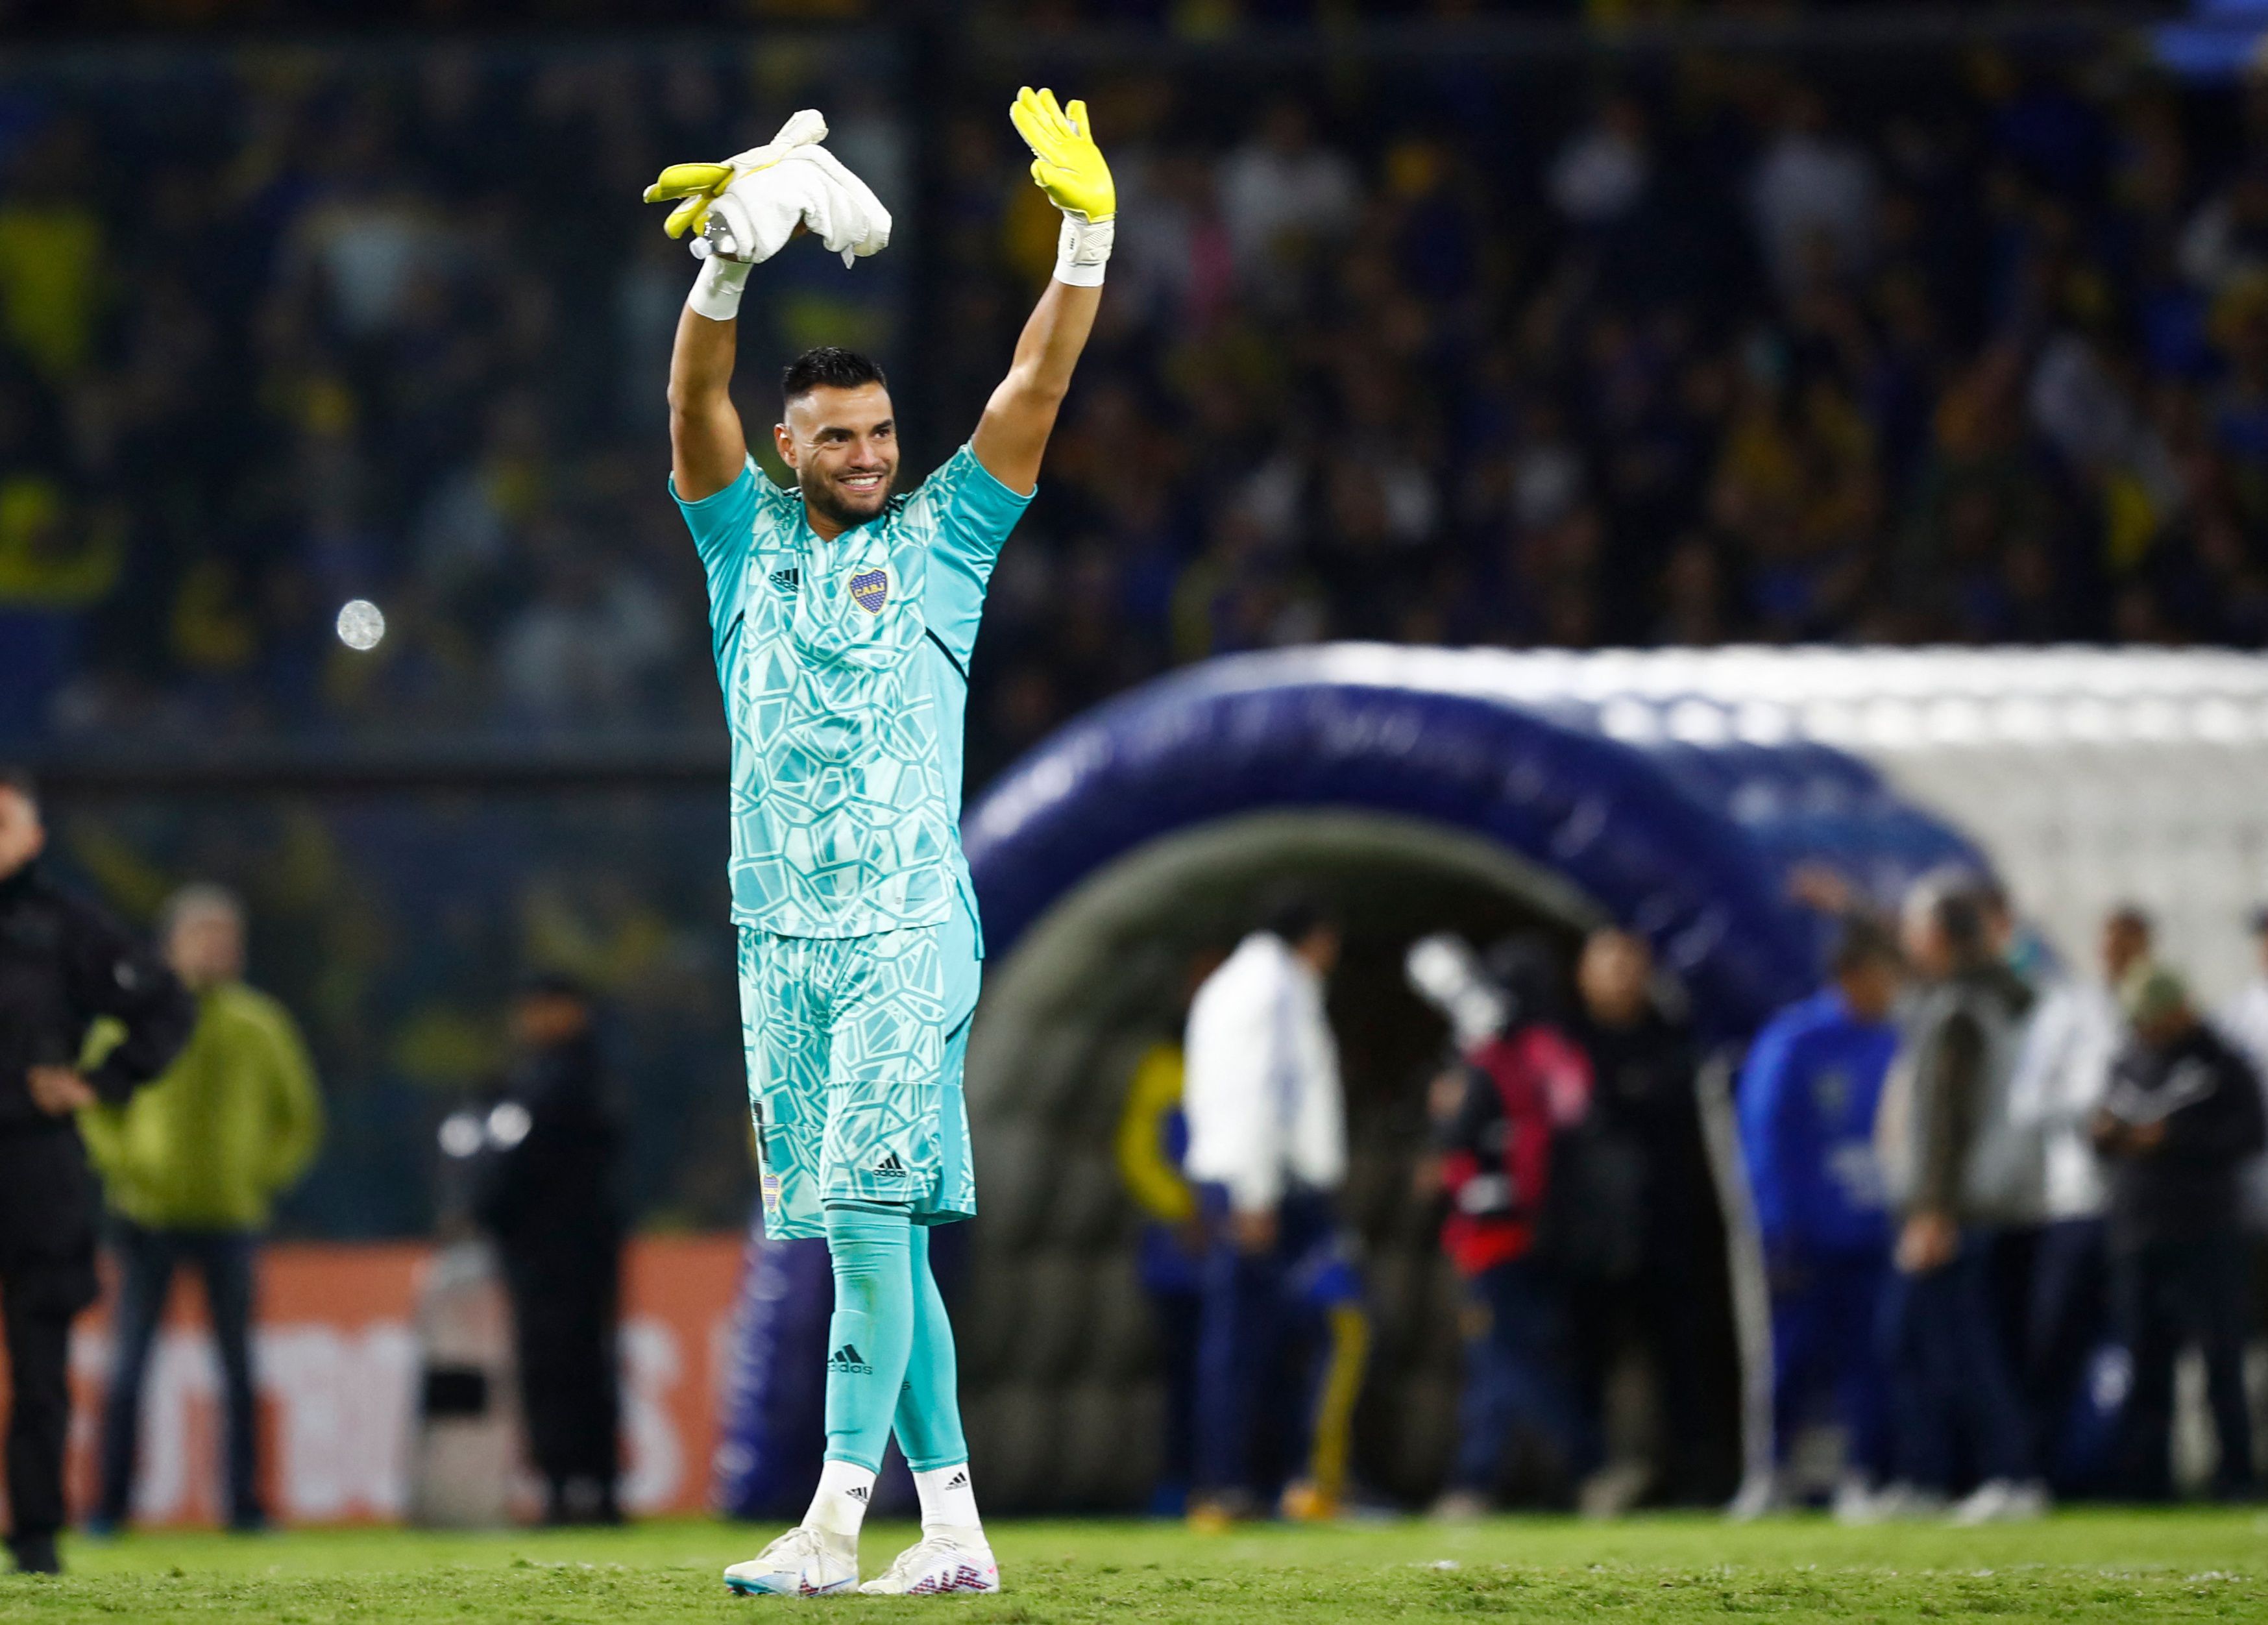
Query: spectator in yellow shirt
x=189, y=1167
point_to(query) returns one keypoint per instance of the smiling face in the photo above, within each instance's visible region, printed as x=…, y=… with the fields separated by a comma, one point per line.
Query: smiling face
x=843, y=444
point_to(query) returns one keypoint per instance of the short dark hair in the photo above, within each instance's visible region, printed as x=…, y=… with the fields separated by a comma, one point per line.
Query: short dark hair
x=2132, y=917
x=1295, y=913
x=1960, y=914
x=20, y=781
x=1863, y=941
x=829, y=366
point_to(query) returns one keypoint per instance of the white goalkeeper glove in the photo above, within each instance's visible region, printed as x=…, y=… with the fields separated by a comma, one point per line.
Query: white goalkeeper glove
x=744, y=210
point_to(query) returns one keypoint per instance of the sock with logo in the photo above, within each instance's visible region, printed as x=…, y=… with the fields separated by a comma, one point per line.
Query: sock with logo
x=949, y=1500
x=871, y=1332
x=929, y=1406
x=839, y=1505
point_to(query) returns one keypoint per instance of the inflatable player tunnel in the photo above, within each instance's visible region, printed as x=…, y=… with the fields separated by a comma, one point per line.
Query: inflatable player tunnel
x=1484, y=793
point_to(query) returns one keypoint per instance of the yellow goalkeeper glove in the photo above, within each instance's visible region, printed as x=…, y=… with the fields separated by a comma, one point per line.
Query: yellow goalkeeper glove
x=1066, y=162
x=1068, y=166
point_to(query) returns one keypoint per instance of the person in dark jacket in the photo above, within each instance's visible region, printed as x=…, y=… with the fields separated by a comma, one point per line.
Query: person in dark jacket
x=544, y=1186
x=2181, y=1118
x=63, y=963
x=1672, y=1301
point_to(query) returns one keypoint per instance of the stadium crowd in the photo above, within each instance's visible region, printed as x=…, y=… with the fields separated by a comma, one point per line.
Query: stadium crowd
x=1727, y=348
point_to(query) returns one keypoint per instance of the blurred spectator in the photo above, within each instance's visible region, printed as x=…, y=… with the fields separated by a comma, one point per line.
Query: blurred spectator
x=1813, y=193
x=1267, y=1153
x=1665, y=1301
x=1808, y=1097
x=65, y=965
x=1602, y=171
x=2182, y=1116
x=546, y=1187
x=1282, y=192
x=1518, y=1078
x=190, y=1167
x=1950, y=1376
x=2062, y=1071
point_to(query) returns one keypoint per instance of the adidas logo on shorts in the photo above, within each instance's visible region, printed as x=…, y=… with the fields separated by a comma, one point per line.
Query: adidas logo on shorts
x=847, y=1360
x=890, y=1167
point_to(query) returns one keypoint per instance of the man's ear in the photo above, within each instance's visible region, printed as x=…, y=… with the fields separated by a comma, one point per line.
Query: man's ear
x=785, y=443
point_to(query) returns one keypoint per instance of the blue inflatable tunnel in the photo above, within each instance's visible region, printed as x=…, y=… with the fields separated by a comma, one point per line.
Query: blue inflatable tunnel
x=1484, y=792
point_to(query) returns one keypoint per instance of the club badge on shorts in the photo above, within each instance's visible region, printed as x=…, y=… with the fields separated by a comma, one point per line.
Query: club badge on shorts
x=870, y=590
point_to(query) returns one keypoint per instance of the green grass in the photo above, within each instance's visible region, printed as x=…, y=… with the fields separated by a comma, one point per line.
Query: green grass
x=2089, y=1565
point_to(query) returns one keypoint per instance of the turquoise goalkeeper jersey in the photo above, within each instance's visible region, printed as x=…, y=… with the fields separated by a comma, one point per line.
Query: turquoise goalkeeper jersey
x=844, y=665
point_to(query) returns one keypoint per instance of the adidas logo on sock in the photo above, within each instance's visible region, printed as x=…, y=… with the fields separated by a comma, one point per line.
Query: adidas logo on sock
x=959, y=1481
x=858, y=1492
x=890, y=1167
x=847, y=1360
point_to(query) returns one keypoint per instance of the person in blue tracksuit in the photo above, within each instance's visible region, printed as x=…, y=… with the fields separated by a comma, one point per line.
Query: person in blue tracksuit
x=1807, y=1102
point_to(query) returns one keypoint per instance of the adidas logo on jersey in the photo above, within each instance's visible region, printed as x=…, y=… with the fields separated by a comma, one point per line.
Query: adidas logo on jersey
x=847, y=1359
x=890, y=1167
x=787, y=580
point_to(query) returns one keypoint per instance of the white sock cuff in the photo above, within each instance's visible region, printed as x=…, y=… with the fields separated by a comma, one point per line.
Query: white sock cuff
x=845, y=1491
x=948, y=1498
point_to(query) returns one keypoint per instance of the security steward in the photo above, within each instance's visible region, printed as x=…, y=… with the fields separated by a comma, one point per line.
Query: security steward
x=546, y=1184
x=64, y=963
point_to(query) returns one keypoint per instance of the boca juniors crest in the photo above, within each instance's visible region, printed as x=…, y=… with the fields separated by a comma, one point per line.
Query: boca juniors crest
x=870, y=590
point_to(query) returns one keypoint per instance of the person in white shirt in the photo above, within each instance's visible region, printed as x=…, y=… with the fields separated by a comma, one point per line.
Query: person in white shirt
x=1267, y=1151
x=2062, y=1071
x=1283, y=191
x=2244, y=1021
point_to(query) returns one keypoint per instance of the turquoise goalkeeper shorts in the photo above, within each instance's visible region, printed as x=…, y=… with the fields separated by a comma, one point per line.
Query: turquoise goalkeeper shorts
x=855, y=1048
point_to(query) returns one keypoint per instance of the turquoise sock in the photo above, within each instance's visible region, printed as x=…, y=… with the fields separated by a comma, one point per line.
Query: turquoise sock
x=929, y=1404
x=872, y=1330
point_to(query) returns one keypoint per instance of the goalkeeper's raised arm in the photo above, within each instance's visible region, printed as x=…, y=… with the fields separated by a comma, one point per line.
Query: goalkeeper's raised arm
x=741, y=212
x=1069, y=168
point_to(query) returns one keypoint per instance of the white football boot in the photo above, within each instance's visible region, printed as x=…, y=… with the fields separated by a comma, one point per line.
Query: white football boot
x=951, y=1560
x=2003, y=1501
x=802, y=1562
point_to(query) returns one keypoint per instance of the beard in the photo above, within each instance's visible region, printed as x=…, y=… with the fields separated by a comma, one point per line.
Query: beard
x=824, y=498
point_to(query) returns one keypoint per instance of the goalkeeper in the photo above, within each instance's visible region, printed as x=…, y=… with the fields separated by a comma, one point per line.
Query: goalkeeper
x=843, y=619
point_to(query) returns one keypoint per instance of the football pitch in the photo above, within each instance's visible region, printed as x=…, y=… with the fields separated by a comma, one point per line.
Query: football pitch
x=2085, y=1565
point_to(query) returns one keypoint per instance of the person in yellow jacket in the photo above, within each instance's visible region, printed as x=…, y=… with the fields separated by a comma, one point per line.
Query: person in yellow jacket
x=190, y=1167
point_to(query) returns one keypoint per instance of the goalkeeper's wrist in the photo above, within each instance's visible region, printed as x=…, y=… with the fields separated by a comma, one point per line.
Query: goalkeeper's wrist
x=717, y=291
x=1083, y=248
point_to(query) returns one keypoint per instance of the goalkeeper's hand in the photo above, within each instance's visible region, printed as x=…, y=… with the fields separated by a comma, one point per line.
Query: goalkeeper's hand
x=1066, y=162
x=1068, y=166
